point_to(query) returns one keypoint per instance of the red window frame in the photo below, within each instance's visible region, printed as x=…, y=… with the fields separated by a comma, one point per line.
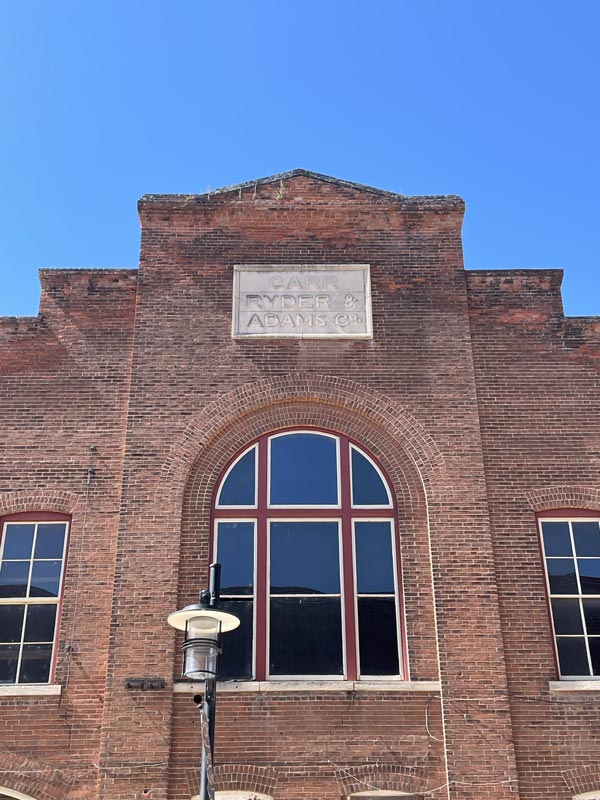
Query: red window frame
x=263, y=513
x=560, y=515
x=40, y=517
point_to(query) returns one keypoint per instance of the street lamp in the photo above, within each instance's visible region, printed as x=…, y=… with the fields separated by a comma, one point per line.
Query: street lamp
x=203, y=624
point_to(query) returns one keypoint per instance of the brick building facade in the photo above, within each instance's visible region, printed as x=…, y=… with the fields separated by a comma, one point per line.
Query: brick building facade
x=475, y=402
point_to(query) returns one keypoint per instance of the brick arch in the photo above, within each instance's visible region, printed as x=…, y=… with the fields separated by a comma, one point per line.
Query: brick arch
x=414, y=468
x=37, y=500
x=206, y=469
x=376, y=777
x=548, y=497
x=238, y=777
x=583, y=781
x=330, y=402
x=32, y=779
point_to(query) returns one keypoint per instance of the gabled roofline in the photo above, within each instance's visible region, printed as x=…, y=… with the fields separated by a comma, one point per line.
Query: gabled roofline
x=282, y=176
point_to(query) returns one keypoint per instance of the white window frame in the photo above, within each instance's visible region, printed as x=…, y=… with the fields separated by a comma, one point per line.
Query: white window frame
x=397, y=605
x=29, y=601
x=579, y=597
x=338, y=468
x=315, y=677
x=226, y=475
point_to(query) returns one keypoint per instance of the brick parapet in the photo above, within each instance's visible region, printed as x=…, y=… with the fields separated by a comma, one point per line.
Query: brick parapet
x=276, y=187
x=527, y=299
x=91, y=297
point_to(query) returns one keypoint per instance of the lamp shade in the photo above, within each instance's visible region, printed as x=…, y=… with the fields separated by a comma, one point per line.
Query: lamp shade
x=179, y=619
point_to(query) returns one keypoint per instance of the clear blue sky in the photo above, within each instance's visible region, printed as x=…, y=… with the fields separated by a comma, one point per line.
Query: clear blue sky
x=104, y=101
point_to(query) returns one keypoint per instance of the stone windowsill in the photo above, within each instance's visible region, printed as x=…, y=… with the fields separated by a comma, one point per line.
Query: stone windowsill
x=574, y=686
x=320, y=687
x=29, y=689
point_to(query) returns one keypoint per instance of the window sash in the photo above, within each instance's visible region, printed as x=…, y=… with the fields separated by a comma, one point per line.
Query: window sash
x=28, y=600
x=580, y=596
x=346, y=516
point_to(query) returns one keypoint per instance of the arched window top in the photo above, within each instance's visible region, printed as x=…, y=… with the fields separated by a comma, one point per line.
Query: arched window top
x=305, y=531
x=305, y=468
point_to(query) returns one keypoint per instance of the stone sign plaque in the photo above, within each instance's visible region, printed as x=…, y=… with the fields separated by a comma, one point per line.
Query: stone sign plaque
x=302, y=301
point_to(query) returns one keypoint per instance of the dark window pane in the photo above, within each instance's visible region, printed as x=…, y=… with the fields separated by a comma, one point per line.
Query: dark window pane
x=239, y=487
x=11, y=623
x=50, y=540
x=235, y=553
x=595, y=654
x=40, y=623
x=306, y=636
x=236, y=659
x=367, y=487
x=45, y=579
x=303, y=470
x=374, y=562
x=557, y=539
x=305, y=557
x=13, y=578
x=591, y=612
x=587, y=538
x=567, y=616
x=18, y=540
x=9, y=657
x=377, y=636
x=561, y=572
x=572, y=656
x=589, y=575
x=35, y=663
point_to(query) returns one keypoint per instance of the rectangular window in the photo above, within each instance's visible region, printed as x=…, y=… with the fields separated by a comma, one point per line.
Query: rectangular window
x=32, y=558
x=571, y=550
x=235, y=544
x=305, y=609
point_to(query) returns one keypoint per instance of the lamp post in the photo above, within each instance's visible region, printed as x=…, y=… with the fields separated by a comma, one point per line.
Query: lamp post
x=203, y=624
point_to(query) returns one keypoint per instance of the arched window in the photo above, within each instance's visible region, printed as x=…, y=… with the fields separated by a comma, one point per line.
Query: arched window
x=305, y=530
x=32, y=557
x=571, y=548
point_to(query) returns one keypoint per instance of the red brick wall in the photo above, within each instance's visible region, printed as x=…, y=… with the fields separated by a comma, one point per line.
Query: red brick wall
x=446, y=395
x=416, y=376
x=65, y=378
x=539, y=404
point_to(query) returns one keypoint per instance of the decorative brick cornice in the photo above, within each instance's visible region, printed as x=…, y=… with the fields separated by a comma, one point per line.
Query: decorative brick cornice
x=55, y=500
x=548, y=497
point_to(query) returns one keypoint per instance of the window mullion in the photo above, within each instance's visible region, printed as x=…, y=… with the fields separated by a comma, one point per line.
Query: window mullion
x=261, y=588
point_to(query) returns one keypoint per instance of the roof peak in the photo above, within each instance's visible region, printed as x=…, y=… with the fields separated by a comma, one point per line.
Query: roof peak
x=305, y=173
x=294, y=173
